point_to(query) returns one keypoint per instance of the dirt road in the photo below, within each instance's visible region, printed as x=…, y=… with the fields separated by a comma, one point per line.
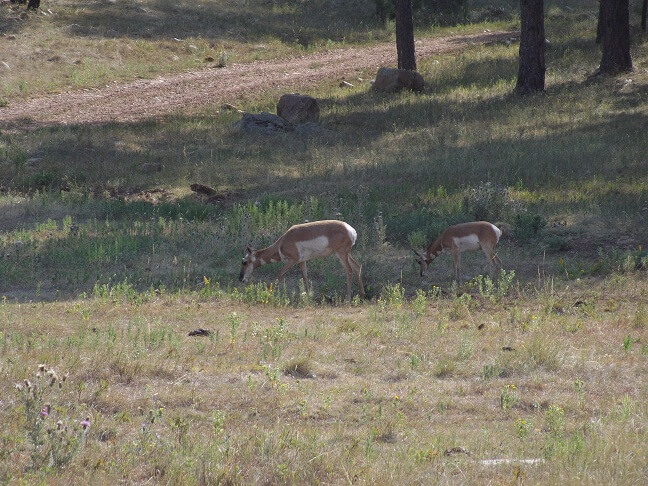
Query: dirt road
x=150, y=98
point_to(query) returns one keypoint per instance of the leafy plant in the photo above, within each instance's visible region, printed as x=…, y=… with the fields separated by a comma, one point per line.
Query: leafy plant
x=487, y=202
x=508, y=397
x=528, y=226
x=53, y=442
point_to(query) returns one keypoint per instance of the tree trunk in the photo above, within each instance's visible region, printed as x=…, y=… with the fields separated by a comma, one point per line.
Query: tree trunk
x=531, y=75
x=405, y=35
x=599, y=24
x=644, y=14
x=616, y=58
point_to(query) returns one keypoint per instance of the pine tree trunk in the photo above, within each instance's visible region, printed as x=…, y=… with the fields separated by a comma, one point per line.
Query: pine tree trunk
x=599, y=24
x=531, y=75
x=616, y=58
x=644, y=14
x=405, y=35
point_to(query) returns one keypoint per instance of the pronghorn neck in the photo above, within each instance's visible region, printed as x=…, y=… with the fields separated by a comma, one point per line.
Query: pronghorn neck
x=267, y=255
x=434, y=249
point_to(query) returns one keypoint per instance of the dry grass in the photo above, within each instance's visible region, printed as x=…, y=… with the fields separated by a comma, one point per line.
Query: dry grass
x=389, y=397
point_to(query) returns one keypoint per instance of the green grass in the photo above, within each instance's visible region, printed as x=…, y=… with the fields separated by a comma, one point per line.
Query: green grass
x=105, y=268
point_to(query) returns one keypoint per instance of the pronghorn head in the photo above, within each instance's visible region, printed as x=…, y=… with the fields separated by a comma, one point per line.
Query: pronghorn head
x=423, y=260
x=249, y=263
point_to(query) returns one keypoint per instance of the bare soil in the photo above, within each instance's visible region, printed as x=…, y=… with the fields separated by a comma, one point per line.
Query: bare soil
x=151, y=98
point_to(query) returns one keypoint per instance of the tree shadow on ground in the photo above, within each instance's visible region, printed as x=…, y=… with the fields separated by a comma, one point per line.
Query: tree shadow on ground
x=253, y=21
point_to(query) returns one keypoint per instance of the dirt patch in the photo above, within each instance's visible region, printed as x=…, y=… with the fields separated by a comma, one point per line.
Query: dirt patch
x=142, y=99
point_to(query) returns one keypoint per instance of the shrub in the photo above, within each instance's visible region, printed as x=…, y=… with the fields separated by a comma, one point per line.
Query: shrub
x=528, y=225
x=555, y=244
x=487, y=202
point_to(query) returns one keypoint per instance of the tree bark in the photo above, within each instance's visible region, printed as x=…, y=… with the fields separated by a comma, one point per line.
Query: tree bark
x=405, y=35
x=615, y=15
x=599, y=24
x=531, y=75
x=644, y=14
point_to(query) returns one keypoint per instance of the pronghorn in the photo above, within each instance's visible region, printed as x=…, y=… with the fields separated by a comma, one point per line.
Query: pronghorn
x=304, y=242
x=479, y=235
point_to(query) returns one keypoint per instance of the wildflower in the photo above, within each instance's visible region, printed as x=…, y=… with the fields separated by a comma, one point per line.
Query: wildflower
x=396, y=398
x=85, y=423
x=46, y=410
x=53, y=376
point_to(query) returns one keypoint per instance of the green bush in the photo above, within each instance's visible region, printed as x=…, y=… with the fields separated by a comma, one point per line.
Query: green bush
x=528, y=225
x=555, y=244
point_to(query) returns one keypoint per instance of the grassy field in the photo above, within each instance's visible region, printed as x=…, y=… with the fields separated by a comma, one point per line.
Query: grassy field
x=105, y=267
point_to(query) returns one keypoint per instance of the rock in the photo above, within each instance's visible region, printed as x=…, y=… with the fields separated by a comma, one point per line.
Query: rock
x=202, y=190
x=295, y=109
x=150, y=167
x=200, y=332
x=390, y=80
x=457, y=450
x=265, y=123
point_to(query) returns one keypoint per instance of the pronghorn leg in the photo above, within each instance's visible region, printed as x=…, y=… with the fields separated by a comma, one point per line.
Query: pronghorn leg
x=495, y=264
x=456, y=264
x=349, y=271
x=285, y=268
x=490, y=257
x=357, y=268
x=305, y=275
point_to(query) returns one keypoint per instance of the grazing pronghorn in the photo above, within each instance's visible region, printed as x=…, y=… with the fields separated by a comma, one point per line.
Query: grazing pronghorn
x=479, y=235
x=304, y=242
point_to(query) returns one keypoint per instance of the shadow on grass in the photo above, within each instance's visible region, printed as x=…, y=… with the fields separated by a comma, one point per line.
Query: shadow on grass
x=304, y=23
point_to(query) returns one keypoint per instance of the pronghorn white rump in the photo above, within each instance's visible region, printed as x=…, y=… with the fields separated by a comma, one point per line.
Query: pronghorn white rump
x=304, y=242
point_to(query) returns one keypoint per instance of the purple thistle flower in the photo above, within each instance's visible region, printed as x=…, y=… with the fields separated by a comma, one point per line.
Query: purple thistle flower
x=85, y=423
x=45, y=411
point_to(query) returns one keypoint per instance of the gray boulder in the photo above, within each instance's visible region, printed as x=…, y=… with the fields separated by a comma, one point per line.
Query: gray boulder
x=264, y=123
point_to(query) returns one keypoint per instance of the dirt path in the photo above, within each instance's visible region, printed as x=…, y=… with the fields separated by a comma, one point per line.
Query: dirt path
x=151, y=98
